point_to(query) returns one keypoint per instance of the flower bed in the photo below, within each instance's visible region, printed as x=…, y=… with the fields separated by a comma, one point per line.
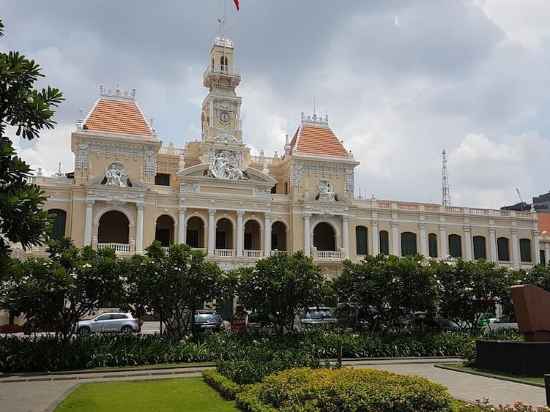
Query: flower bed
x=325, y=390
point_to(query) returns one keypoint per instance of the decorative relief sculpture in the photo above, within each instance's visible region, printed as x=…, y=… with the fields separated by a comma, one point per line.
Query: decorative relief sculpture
x=326, y=191
x=225, y=164
x=116, y=175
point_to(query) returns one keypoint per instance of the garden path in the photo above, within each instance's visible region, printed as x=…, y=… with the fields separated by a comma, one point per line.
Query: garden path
x=465, y=386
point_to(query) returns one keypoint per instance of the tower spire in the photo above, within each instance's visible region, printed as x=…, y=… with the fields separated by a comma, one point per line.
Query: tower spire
x=445, y=189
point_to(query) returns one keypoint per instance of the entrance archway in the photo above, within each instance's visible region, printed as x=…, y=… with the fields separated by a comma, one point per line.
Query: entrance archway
x=224, y=234
x=278, y=236
x=252, y=235
x=164, y=231
x=195, y=232
x=114, y=227
x=324, y=237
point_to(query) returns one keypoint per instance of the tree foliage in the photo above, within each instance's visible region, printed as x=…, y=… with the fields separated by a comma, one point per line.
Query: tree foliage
x=24, y=111
x=387, y=289
x=55, y=293
x=280, y=286
x=179, y=282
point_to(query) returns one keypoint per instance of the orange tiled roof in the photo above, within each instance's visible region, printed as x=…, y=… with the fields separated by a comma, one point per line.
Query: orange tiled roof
x=544, y=222
x=118, y=116
x=318, y=141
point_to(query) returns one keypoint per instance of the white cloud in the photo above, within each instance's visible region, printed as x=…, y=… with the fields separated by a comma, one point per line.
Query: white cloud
x=46, y=152
x=524, y=21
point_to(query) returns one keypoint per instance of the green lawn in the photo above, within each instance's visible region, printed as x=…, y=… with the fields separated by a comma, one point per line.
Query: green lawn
x=530, y=380
x=166, y=395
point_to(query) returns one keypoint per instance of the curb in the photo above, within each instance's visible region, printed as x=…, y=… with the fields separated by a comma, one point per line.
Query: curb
x=490, y=375
x=147, y=373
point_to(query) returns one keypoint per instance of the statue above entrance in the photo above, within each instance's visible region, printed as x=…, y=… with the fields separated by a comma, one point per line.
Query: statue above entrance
x=116, y=176
x=225, y=164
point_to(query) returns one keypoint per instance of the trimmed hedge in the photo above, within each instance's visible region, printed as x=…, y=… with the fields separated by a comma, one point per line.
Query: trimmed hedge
x=327, y=390
x=226, y=387
x=47, y=353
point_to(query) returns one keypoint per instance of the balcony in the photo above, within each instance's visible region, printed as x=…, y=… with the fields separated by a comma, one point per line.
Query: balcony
x=252, y=253
x=328, y=255
x=224, y=252
x=121, y=248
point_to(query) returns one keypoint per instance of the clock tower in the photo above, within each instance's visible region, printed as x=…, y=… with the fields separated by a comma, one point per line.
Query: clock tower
x=221, y=109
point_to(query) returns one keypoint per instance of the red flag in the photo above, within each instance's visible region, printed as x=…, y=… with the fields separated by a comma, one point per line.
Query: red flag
x=237, y=4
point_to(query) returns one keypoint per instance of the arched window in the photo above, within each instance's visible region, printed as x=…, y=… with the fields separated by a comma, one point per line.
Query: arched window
x=432, y=245
x=480, y=247
x=224, y=234
x=58, y=220
x=164, y=230
x=195, y=232
x=503, y=247
x=224, y=63
x=525, y=250
x=278, y=236
x=384, y=242
x=455, y=246
x=408, y=244
x=324, y=237
x=361, y=241
x=114, y=227
x=252, y=235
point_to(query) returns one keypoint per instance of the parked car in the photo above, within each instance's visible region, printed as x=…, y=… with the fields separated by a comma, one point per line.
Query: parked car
x=207, y=320
x=318, y=316
x=109, y=322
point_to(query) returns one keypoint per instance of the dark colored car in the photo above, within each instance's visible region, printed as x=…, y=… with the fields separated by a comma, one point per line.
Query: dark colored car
x=207, y=320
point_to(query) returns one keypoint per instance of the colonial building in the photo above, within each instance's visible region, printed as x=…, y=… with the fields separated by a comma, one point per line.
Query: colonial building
x=128, y=190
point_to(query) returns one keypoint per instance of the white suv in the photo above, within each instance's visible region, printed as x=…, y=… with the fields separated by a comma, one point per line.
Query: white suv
x=109, y=322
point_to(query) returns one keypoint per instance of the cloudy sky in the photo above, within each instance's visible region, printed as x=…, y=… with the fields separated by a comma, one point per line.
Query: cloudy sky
x=400, y=81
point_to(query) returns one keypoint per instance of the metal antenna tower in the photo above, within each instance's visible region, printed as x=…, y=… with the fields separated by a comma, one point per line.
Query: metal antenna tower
x=445, y=190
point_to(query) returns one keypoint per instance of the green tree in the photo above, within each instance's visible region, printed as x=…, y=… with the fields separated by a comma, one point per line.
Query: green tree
x=182, y=280
x=280, y=286
x=386, y=289
x=55, y=293
x=24, y=111
x=469, y=289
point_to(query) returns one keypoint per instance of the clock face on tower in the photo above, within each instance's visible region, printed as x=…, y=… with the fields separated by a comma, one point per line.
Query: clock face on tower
x=225, y=117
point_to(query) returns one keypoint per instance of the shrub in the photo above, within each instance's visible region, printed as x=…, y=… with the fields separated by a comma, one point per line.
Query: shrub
x=252, y=364
x=324, y=390
x=223, y=385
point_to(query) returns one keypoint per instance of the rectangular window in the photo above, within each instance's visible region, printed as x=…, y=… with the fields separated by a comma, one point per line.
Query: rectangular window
x=384, y=243
x=543, y=257
x=525, y=250
x=432, y=245
x=162, y=179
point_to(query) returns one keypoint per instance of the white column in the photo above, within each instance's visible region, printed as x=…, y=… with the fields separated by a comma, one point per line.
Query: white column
x=515, y=249
x=211, y=231
x=89, y=222
x=423, y=240
x=443, y=242
x=240, y=232
x=182, y=226
x=267, y=235
x=546, y=252
x=493, y=244
x=536, y=248
x=345, y=236
x=307, y=230
x=468, y=243
x=395, y=241
x=139, y=228
x=375, y=251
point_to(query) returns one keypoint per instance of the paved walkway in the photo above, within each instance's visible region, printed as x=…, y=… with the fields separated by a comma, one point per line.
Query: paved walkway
x=26, y=393
x=465, y=386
